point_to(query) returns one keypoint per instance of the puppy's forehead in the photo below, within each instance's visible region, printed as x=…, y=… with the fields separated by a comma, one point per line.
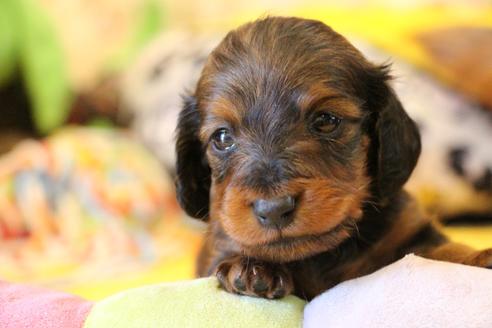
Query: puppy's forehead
x=264, y=98
x=281, y=67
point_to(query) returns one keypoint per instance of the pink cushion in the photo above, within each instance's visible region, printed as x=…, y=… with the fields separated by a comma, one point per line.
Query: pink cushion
x=32, y=307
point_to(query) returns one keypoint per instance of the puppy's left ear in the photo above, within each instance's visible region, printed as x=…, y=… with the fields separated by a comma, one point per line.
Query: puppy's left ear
x=192, y=169
x=395, y=136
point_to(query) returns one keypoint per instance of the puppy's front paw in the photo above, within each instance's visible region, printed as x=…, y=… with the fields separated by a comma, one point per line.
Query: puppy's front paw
x=246, y=276
x=482, y=259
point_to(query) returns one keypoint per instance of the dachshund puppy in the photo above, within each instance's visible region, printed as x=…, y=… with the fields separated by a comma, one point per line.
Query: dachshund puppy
x=295, y=149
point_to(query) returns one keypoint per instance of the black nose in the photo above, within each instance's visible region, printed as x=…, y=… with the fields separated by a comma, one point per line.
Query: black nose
x=275, y=212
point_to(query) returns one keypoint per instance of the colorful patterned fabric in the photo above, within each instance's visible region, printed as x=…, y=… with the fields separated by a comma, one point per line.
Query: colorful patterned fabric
x=81, y=195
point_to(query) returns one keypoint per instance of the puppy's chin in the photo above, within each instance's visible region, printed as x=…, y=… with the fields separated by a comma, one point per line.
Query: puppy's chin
x=296, y=248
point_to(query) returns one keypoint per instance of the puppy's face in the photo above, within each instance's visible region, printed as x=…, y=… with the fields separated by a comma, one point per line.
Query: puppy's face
x=282, y=125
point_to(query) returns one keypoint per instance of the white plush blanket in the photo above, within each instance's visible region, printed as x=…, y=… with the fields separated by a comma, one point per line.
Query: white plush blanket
x=413, y=292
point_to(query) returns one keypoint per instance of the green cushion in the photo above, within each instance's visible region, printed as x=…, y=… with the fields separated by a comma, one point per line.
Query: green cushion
x=196, y=303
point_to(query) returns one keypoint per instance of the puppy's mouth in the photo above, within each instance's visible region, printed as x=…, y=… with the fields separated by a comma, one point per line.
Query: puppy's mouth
x=286, y=249
x=290, y=241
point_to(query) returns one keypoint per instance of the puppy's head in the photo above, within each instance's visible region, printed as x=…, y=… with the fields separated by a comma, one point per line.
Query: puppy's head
x=289, y=134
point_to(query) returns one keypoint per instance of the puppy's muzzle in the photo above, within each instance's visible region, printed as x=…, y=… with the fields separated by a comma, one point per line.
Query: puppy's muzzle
x=275, y=212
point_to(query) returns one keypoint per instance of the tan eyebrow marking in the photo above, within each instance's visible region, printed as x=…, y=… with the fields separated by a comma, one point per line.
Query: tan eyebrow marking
x=223, y=108
x=219, y=112
x=315, y=93
x=318, y=95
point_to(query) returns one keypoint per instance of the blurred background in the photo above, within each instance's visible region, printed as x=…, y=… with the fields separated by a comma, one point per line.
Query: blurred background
x=89, y=95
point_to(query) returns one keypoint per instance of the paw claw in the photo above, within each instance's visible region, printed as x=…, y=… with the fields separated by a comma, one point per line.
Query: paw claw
x=259, y=279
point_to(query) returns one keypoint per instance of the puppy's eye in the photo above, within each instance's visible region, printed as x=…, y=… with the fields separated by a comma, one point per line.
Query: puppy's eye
x=326, y=123
x=223, y=140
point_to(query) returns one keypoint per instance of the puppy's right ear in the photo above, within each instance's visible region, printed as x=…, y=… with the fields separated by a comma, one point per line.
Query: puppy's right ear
x=193, y=171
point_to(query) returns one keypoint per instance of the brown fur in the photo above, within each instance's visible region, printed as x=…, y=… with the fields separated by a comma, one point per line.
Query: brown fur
x=266, y=84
